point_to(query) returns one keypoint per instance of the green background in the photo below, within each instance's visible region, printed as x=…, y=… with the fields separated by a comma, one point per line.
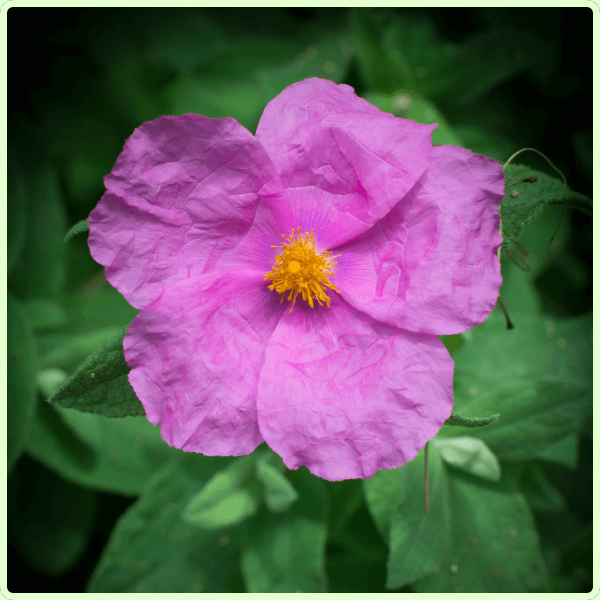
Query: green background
x=496, y=80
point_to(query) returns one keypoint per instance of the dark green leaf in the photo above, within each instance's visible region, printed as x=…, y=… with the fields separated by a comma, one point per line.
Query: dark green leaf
x=79, y=227
x=327, y=58
x=495, y=546
x=45, y=314
x=418, y=542
x=470, y=455
x=152, y=549
x=40, y=270
x=377, y=69
x=532, y=198
x=537, y=376
x=100, y=385
x=51, y=527
x=418, y=109
x=113, y=455
x=21, y=396
x=471, y=421
x=286, y=552
x=462, y=79
x=279, y=493
x=563, y=452
x=17, y=202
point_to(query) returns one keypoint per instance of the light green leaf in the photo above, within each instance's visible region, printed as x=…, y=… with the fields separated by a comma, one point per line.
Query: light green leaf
x=286, y=552
x=470, y=455
x=279, y=493
x=113, y=455
x=226, y=499
x=230, y=510
x=49, y=381
x=21, y=395
x=79, y=227
x=100, y=385
x=495, y=546
x=153, y=550
x=517, y=212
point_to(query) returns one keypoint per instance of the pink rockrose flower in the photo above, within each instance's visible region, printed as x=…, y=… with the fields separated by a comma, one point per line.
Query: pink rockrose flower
x=292, y=284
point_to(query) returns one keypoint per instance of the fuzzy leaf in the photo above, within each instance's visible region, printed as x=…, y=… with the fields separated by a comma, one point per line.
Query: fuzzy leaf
x=79, y=227
x=100, y=385
x=532, y=198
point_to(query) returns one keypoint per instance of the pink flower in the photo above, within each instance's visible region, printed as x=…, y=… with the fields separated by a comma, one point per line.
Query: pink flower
x=207, y=229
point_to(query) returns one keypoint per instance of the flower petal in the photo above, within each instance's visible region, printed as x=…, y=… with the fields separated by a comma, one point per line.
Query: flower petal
x=430, y=265
x=196, y=353
x=346, y=395
x=183, y=190
x=343, y=162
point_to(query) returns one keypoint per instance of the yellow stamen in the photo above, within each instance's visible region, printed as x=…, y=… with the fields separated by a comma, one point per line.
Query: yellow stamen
x=302, y=270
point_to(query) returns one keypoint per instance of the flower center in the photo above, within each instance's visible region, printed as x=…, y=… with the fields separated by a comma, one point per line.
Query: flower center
x=302, y=270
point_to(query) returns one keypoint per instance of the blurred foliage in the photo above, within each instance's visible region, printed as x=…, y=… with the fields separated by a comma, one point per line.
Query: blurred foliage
x=510, y=502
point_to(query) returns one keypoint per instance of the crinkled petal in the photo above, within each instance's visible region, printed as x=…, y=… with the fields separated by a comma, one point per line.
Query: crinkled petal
x=430, y=265
x=196, y=353
x=346, y=395
x=184, y=190
x=343, y=162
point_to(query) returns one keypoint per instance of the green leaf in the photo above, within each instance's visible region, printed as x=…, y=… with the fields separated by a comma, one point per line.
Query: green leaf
x=495, y=546
x=470, y=455
x=279, y=493
x=21, y=395
x=457, y=420
x=43, y=313
x=411, y=106
x=286, y=552
x=327, y=58
x=79, y=227
x=532, y=198
x=17, y=201
x=49, y=381
x=418, y=542
x=507, y=51
x=563, y=452
x=537, y=376
x=41, y=269
x=113, y=455
x=377, y=69
x=100, y=385
x=226, y=499
x=153, y=550
x=48, y=536
x=541, y=494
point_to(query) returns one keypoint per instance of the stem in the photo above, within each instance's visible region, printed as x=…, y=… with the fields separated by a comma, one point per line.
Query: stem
x=426, y=478
x=509, y=323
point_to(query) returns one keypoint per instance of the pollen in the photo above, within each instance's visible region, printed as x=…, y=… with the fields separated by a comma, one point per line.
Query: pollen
x=300, y=269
